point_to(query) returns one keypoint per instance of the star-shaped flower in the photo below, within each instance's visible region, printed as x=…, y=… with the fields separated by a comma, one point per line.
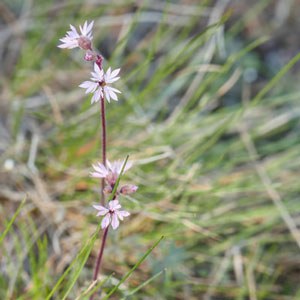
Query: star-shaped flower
x=73, y=39
x=112, y=214
x=111, y=171
x=100, y=84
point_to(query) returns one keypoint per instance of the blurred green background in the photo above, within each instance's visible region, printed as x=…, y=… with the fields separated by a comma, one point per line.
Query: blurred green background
x=209, y=112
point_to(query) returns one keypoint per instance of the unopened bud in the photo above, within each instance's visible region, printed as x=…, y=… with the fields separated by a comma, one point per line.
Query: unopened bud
x=89, y=55
x=107, y=189
x=99, y=60
x=128, y=189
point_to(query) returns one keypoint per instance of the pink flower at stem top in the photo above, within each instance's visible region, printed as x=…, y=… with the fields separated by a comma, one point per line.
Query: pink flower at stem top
x=73, y=39
x=112, y=214
x=100, y=84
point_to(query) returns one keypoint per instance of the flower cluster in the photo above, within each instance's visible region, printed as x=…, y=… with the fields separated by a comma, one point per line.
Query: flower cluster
x=100, y=85
x=111, y=174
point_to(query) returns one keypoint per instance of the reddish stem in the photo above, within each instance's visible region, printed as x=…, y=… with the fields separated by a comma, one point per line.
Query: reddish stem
x=103, y=123
x=99, y=258
x=99, y=61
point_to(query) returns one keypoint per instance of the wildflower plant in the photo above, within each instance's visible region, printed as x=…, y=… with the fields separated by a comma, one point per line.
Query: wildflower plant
x=101, y=87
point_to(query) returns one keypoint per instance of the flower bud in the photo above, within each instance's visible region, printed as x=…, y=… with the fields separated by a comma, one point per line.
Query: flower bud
x=89, y=55
x=107, y=189
x=128, y=189
x=99, y=60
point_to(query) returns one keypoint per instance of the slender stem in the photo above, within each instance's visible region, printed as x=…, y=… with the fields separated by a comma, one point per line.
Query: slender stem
x=103, y=123
x=99, y=62
x=99, y=258
x=103, y=137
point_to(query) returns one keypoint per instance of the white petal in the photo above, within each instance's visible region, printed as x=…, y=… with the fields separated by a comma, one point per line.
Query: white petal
x=73, y=35
x=96, y=175
x=117, y=166
x=85, y=84
x=98, y=70
x=96, y=77
x=115, y=72
x=70, y=44
x=62, y=46
x=101, y=213
x=115, y=221
x=100, y=168
x=101, y=210
x=85, y=27
x=108, y=163
x=106, y=221
x=66, y=40
x=108, y=72
x=122, y=213
x=90, y=27
x=73, y=31
x=90, y=86
x=128, y=165
x=111, y=80
x=99, y=206
x=111, y=93
x=114, y=90
x=107, y=95
x=96, y=96
x=114, y=205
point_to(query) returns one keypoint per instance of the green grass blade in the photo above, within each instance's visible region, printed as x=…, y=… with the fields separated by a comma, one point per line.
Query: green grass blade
x=144, y=284
x=118, y=179
x=93, y=288
x=133, y=269
x=10, y=223
x=81, y=256
x=276, y=78
x=78, y=269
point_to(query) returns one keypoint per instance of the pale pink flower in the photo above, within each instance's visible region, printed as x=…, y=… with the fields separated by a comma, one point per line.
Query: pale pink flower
x=100, y=83
x=112, y=214
x=116, y=166
x=100, y=171
x=111, y=171
x=73, y=39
